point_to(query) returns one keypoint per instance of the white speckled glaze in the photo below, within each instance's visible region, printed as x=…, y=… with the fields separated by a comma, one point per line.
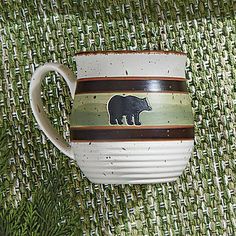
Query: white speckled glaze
x=117, y=162
x=132, y=162
x=131, y=64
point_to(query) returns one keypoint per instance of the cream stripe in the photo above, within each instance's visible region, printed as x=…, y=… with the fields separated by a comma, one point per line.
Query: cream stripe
x=138, y=64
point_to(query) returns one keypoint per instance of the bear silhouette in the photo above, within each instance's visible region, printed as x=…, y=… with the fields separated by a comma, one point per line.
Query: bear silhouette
x=128, y=106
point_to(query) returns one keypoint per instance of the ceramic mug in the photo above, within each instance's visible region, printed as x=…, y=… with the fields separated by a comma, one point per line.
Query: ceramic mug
x=131, y=120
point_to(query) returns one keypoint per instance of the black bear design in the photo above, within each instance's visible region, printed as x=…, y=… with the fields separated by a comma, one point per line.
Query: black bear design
x=128, y=106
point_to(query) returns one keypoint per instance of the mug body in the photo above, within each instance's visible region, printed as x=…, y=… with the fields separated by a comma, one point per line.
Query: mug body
x=131, y=120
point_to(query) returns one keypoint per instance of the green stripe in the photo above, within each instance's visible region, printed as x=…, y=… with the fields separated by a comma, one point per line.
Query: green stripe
x=167, y=109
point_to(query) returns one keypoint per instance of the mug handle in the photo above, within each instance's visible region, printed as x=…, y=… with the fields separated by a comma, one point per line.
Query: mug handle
x=37, y=105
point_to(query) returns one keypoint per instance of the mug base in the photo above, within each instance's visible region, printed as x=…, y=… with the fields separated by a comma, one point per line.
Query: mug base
x=133, y=181
x=134, y=162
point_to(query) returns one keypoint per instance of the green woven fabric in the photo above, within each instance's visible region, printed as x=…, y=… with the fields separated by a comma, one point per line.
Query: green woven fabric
x=202, y=201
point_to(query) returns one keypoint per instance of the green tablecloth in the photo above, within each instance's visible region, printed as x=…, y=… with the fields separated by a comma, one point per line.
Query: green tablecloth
x=202, y=201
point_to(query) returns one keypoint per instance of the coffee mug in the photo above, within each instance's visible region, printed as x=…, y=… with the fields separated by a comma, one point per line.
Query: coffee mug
x=131, y=121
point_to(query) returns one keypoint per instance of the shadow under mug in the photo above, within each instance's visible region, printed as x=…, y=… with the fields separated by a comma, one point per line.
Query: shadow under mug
x=131, y=120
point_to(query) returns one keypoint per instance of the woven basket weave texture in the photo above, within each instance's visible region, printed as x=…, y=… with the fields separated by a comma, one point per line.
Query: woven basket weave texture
x=202, y=201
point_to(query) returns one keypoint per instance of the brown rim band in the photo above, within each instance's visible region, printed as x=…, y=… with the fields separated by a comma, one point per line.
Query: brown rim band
x=108, y=52
x=131, y=134
x=101, y=86
x=133, y=78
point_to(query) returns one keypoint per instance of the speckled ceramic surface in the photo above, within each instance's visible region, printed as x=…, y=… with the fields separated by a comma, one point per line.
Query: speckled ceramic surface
x=132, y=119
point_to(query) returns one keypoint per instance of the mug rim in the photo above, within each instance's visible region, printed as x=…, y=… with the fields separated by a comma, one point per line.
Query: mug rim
x=109, y=52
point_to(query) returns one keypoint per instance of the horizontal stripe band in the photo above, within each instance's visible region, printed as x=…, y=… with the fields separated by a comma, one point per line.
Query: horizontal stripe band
x=108, y=52
x=130, y=140
x=133, y=78
x=131, y=134
x=130, y=127
x=100, y=86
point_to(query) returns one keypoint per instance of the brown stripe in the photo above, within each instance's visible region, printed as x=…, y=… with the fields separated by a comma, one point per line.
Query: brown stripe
x=99, y=86
x=112, y=127
x=133, y=78
x=129, y=52
x=132, y=134
x=132, y=91
x=131, y=140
